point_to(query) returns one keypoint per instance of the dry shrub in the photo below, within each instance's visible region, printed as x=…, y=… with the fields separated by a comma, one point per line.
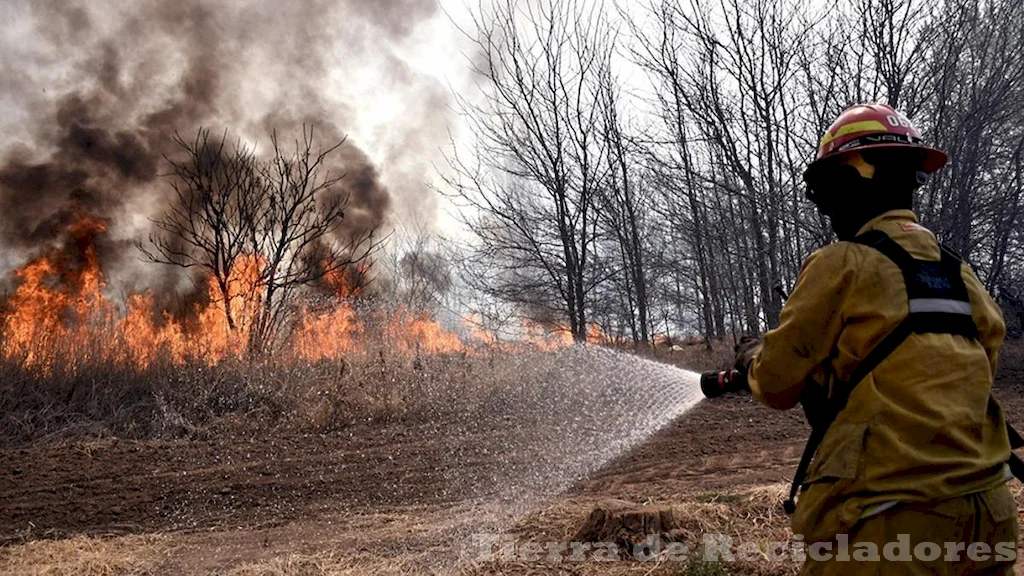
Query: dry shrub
x=85, y=556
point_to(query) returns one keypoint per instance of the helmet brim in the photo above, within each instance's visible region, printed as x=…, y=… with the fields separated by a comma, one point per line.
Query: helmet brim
x=933, y=160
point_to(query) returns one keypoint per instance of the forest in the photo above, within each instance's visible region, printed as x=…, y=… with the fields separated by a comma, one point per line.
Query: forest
x=639, y=169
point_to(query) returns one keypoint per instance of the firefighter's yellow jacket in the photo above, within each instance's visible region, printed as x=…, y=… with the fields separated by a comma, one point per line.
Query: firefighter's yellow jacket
x=920, y=427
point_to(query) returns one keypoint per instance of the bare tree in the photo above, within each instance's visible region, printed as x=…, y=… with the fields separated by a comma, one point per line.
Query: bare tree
x=260, y=229
x=727, y=80
x=896, y=36
x=297, y=231
x=210, y=219
x=700, y=223
x=419, y=269
x=976, y=111
x=624, y=205
x=531, y=193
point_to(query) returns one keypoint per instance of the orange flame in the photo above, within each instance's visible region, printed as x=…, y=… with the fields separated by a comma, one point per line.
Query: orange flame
x=51, y=302
x=478, y=334
x=59, y=317
x=330, y=334
x=412, y=333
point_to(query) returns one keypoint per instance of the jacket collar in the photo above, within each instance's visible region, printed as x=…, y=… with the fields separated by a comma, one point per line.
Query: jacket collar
x=894, y=215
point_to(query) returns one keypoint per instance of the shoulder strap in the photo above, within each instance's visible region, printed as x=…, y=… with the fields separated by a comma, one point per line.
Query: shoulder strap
x=887, y=246
x=937, y=296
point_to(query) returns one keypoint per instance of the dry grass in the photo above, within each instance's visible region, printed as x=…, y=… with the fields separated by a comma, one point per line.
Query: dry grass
x=328, y=564
x=749, y=515
x=196, y=401
x=84, y=556
x=293, y=565
x=94, y=397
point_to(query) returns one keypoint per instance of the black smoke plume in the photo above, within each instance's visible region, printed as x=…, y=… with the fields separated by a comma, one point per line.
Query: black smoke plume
x=96, y=91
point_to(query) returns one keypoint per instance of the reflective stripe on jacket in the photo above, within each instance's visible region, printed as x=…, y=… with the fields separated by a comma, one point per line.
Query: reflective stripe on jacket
x=920, y=427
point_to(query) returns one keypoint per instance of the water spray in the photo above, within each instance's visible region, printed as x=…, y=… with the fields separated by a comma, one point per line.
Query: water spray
x=573, y=411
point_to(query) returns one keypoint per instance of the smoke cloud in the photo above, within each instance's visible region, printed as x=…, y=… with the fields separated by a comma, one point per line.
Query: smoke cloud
x=93, y=93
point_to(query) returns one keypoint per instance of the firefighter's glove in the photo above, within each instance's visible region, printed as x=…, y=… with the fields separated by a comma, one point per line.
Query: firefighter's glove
x=745, y=350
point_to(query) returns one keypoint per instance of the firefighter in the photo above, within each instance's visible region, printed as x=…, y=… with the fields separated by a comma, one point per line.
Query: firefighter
x=890, y=342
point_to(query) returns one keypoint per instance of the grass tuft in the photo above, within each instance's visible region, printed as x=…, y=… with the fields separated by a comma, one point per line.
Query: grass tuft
x=85, y=556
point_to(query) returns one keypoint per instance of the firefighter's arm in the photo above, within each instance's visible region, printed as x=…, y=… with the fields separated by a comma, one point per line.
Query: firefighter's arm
x=988, y=317
x=808, y=330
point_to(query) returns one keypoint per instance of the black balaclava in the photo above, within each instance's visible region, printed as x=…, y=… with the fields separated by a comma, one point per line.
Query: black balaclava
x=850, y=200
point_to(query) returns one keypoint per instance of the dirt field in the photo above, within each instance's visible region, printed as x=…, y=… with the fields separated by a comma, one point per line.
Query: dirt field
x=384, y=498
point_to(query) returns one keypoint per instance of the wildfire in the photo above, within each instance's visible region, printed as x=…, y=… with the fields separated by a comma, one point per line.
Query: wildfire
x=330, y=334
x=412, y=333
x=60, y=317
x=56, y=304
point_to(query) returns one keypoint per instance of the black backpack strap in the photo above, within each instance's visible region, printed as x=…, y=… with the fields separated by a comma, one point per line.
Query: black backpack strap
x=939, y=302
x=887, y=246
x=937, y=296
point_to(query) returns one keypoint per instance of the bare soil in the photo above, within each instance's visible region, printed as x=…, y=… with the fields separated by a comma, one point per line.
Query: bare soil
x=110, y=486
x=230, y=500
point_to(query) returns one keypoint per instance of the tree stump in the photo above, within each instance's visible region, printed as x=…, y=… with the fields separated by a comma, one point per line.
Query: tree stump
x=627, y=524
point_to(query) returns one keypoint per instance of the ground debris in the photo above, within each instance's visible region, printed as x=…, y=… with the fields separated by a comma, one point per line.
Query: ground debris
x=627, y=524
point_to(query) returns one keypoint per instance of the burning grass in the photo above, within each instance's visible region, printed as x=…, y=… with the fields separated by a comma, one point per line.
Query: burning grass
x=72, y=363
x=74, y=359
x=61, y=319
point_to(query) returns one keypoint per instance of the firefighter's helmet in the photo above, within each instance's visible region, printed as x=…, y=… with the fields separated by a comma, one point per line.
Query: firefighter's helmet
x=865, y=127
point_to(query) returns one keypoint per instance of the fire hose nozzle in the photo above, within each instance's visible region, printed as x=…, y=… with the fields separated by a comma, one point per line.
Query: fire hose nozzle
x=715, y=384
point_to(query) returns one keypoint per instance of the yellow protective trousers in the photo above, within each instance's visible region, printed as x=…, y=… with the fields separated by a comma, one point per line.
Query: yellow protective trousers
x=974, y=534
